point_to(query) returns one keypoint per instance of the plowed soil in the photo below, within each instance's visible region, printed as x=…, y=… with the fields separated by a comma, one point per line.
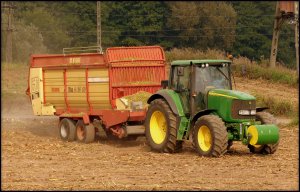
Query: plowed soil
x=34, y=158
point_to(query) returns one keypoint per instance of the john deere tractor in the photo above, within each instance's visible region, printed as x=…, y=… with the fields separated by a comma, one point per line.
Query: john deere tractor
x=198, y=103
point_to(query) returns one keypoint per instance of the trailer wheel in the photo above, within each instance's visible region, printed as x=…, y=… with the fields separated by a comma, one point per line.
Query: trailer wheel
x=264, y=118
x=210, y=136
x=161, y=131
x=67, y=130
x=85, y=133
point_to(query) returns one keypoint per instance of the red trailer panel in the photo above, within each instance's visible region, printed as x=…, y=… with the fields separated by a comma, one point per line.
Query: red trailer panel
x=119, y=56
x=72, y=60
x=134, y=69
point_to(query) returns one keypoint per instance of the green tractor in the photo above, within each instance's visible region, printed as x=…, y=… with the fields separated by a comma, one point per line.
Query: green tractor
x=198, y=102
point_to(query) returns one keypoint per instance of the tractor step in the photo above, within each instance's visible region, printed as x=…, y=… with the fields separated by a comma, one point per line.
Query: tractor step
x=135, y=130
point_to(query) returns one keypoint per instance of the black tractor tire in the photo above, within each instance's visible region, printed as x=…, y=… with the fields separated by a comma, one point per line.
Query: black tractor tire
x=85, y=133
x=264, y=118
x=216, y=138
x=67, y=130
x=179, y=145
x=169, y=144
x=230, y=143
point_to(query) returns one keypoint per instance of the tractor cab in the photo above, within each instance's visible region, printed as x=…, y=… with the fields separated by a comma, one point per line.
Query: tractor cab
x=192, y=79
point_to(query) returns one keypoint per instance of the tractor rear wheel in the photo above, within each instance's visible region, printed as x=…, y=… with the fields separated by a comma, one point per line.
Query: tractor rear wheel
x=67, y=130
x=210, y=136
x=85, y=133
x=264, y=118
x=161, y=131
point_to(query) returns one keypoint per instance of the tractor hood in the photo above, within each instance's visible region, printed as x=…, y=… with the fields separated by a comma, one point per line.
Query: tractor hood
x=228, y=103
x=230, y=94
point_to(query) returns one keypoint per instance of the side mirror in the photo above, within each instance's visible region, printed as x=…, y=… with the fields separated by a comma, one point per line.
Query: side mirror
x=164, y=84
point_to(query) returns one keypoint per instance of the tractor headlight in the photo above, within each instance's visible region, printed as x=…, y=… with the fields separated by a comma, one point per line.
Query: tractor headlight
x=247, y=112
x=253, y=112
x=244, y=112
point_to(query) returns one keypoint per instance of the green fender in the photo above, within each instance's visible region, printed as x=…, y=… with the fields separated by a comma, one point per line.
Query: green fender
x=173, y=100
x=199, y=114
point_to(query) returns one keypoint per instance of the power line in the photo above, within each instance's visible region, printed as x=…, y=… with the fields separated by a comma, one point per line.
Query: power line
x=156, y=14
x=176, y=36
x=144, y=35
x=188, y=16
x=153, y=30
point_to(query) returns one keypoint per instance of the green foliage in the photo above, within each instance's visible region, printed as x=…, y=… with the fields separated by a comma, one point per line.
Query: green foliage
x=27, y=40
x=40, y=15
x=203, y=24
x=254, y=29
x=244, y=28
x=79, y=21
x=134, y=22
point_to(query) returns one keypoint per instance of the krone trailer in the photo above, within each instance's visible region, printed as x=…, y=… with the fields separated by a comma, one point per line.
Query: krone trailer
x=88, y=91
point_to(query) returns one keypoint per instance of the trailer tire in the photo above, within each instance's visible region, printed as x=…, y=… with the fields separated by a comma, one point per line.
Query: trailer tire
x=67, y=130
x=265, y=118
x=161, y=128
x=85, y=133
x=210, y=137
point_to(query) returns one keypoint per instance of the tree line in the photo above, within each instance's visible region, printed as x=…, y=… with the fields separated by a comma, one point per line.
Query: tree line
x=241, y=28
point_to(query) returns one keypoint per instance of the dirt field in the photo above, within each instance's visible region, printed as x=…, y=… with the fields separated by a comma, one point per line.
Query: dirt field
x=34, y=158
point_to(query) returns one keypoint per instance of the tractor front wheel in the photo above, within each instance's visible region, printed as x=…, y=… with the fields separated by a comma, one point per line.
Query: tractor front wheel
x=210, y=136
x=161, y=131
x=264, y=118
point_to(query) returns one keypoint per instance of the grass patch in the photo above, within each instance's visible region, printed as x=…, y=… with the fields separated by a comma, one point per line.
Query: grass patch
x=294, y=121
x=276, y=106
x=14, y=78
x=275, y=75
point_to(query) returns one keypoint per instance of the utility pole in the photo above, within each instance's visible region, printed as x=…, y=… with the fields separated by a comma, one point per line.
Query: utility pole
x=297, y=35
x=8, y=55
x=99, y=25
x=278, y=22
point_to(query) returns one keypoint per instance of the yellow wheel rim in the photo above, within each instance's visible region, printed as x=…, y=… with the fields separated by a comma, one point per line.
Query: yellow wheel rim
x=158, y=127
x=204, y=138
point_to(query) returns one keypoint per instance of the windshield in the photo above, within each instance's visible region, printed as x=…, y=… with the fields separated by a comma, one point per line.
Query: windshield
x=212, y=76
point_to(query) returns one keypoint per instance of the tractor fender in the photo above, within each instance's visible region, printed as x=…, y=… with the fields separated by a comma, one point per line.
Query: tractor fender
x=199, y=114
x=259, y=109
x=167, y=98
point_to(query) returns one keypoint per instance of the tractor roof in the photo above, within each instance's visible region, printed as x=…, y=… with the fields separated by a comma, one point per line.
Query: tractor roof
x=188, y=62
